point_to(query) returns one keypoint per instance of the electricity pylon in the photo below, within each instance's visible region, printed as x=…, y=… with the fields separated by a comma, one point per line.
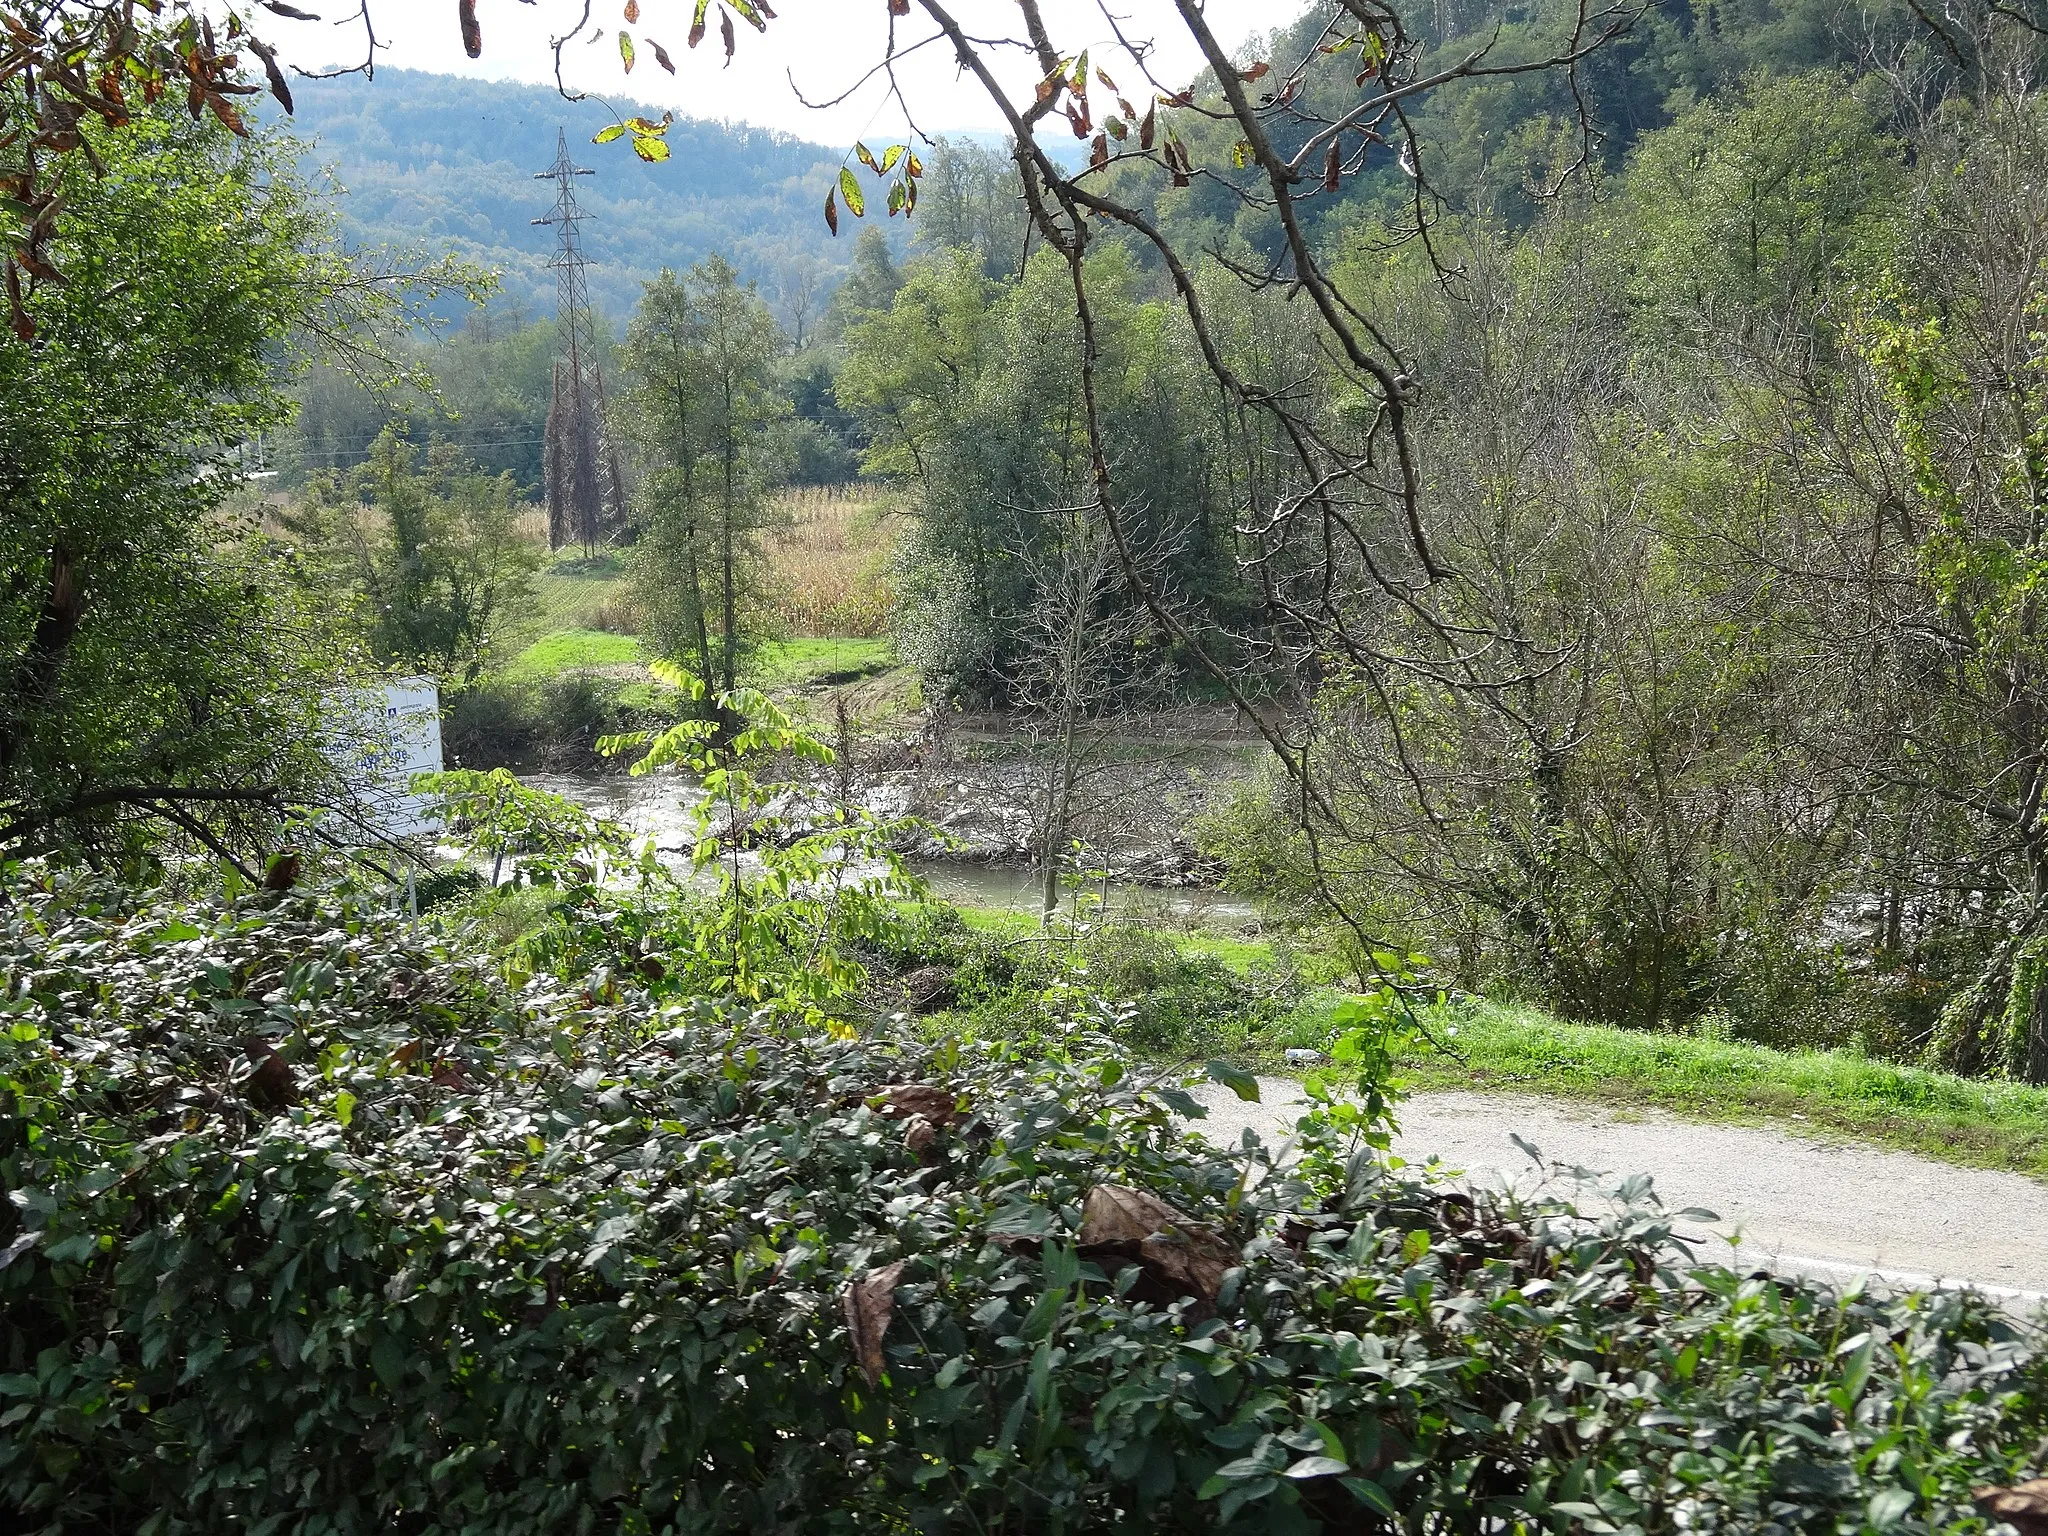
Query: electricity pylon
x=585, y=499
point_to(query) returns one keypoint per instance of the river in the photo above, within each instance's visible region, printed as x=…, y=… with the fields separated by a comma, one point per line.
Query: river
x=662, y=808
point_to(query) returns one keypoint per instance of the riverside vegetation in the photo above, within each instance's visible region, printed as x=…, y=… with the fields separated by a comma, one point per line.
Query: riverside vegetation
x=1625, y=542
x=328, y=1208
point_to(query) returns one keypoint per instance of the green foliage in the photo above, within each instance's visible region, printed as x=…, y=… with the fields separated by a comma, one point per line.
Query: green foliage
x=317, y=1226
x=821, y=881
x=494, y=816
x=432, y=559
x=553, y=723
x=162, y=674
x=1759, y=208
x=1158, y=995
x=970, y=389
x=699, y=400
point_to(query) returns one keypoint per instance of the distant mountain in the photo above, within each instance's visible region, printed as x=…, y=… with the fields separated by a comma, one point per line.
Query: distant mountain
x=436, y=162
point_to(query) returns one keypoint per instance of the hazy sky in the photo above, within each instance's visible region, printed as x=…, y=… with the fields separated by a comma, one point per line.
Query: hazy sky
x=824, y=44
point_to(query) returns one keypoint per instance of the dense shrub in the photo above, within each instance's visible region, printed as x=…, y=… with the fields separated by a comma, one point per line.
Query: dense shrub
x=1159, y=997
x=553, y=723
x=314, y=1226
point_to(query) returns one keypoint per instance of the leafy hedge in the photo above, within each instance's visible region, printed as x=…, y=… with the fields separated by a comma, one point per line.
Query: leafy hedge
x=316, y=1227
x=1164, y=1000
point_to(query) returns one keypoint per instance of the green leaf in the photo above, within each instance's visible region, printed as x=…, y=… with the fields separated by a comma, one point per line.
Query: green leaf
x=1243, y=1469
x=609, y=132
x=626, y=51
x=891, y=155
x=387, y=1359
x=1856, y=1373
x=647, y=147
x=1370, y=1494
x=344, y=1107
x=1240, y=1082
x=1316, y=1466
x=849, y=191
x=1888, y=1506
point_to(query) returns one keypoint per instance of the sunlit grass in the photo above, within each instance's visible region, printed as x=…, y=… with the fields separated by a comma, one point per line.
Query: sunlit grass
x=793, y=663
x=1961, y=1120
x=1501, y=1048
x=569, y=650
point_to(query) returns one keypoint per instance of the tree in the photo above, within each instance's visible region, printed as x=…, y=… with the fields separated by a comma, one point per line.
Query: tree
x=1952, y=553
x=869, y=287
x=433, y=555
x=1091, y=665
x=800, y=289
x=662, y=412
x=969, y=202
x=701, y=394
x=161, y=674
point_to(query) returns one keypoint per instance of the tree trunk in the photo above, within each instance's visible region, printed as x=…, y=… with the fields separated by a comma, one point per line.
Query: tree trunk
x=35, y=676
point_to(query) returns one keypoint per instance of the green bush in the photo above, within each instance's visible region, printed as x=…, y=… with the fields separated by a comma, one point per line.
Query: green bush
x=1161, y=998
x=556, y=722
x=317, y=1226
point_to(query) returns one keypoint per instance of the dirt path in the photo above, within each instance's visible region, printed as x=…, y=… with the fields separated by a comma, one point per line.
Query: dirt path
x=1826, y=1207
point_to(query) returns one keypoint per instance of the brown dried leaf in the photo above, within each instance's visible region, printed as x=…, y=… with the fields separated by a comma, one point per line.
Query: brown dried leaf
x=24, y=327
x=449, y=1074
x=271, y=1084
x=900, y=1101
x=1176, y=1251
x=278, y=87
x=869, y=1303
x=2024, y=1508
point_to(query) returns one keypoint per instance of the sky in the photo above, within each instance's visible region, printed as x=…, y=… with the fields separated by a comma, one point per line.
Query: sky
x=817, y=47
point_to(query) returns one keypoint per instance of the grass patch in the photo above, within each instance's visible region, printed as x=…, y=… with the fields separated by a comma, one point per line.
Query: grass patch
x=571, y=650
x=1958, y=1120
x=573, y=591
x=1239, y=955
x=1005, y=922
x=1523, y=1050
x=806, y=660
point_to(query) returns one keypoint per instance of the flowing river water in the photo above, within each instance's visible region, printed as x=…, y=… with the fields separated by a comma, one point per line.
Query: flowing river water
x=664, y=807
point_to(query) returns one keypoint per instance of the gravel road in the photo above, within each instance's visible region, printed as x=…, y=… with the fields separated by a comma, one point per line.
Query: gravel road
x=1812, y=1205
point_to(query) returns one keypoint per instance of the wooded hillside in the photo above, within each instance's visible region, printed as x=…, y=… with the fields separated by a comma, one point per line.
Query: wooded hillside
x=447, y=164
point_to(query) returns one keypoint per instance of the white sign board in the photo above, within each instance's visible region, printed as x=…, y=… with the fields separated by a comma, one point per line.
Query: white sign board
x=406, y=741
